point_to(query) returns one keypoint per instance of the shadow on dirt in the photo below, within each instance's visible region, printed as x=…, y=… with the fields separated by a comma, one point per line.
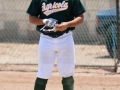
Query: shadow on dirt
x=103, y=57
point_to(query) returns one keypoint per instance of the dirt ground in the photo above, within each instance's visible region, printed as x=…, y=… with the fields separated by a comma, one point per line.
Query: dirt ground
x=90, y=55
x=22, y=77
x=15, y=75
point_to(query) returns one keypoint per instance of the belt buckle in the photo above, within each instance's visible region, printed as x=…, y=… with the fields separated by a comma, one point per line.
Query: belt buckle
x=54, y=36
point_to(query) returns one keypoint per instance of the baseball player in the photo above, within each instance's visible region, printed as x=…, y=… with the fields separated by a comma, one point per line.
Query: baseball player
x=56, y=19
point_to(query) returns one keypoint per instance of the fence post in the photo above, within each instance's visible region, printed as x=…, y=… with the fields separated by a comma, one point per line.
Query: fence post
x=118, y=37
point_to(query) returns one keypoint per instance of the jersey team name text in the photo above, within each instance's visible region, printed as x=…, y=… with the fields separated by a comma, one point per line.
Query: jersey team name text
x=55, y=7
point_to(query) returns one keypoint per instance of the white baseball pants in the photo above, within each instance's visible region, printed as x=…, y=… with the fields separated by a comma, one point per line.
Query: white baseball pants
x=61, y=48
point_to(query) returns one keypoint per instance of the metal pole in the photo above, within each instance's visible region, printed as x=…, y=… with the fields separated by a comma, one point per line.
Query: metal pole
x=118, y=33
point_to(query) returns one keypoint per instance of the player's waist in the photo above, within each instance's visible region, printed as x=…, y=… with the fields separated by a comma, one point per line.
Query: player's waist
x=55, y=34
x=39, y=27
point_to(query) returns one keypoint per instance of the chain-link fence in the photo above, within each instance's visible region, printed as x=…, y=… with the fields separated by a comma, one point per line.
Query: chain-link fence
x=95, y=40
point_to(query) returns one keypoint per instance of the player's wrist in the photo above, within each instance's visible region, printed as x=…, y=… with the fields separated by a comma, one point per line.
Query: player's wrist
x=67, y=24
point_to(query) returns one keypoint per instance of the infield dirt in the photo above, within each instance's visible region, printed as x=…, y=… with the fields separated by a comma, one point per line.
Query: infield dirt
x=22, y=77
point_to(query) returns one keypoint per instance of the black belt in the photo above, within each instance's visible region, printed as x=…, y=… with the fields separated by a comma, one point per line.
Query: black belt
x=55, y=34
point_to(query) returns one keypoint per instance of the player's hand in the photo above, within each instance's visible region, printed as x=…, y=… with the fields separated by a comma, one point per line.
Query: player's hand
x=50, y=22
x=61, y=27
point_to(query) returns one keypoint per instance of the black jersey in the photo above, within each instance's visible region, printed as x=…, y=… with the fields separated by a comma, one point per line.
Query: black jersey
x=61, y=10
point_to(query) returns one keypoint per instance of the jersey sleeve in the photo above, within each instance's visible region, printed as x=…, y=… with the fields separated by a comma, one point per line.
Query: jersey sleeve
x=34, y=8
x=78, y=8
